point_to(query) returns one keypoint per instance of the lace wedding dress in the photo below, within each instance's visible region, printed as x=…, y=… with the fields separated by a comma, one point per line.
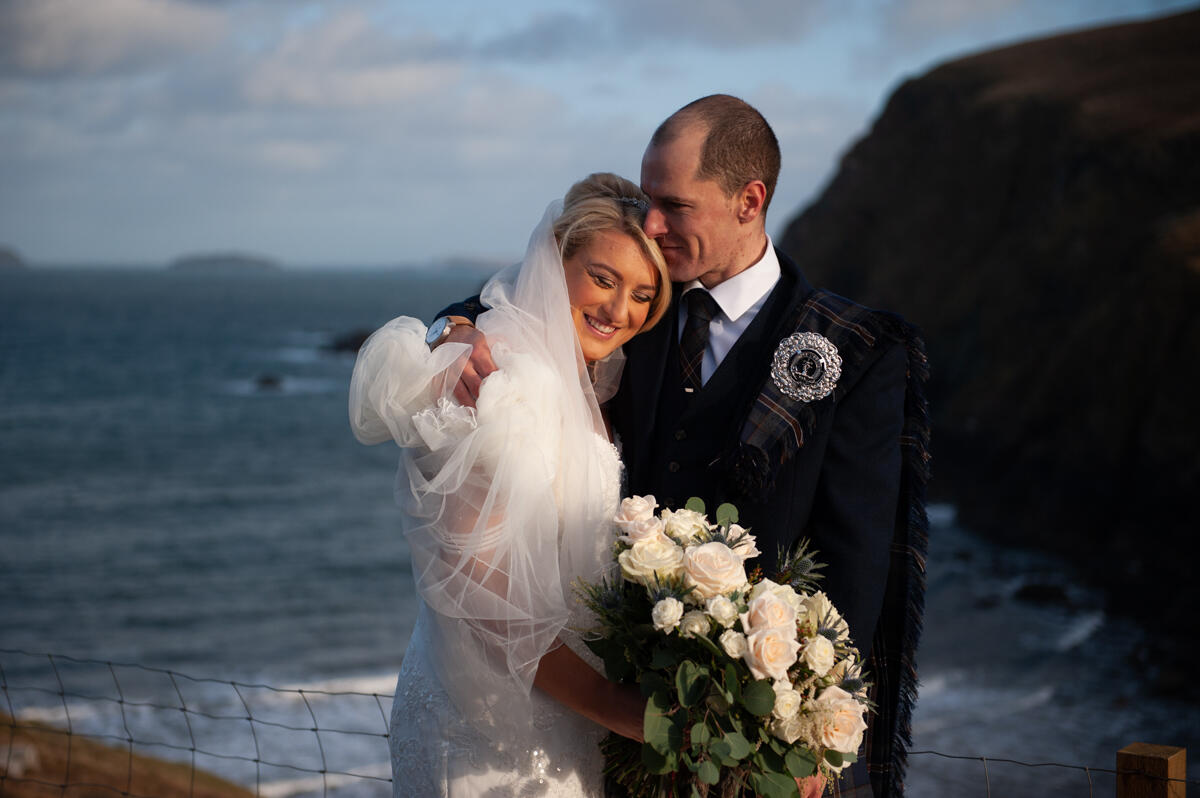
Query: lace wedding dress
x=505, y=508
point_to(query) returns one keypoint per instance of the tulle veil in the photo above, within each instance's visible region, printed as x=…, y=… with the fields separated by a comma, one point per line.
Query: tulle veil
x=504, y=507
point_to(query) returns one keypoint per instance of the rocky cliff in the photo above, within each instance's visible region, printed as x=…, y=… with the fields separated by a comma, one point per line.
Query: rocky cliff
x=1036, y=210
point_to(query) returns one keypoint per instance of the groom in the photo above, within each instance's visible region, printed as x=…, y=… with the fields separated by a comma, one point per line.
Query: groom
x=801, y=408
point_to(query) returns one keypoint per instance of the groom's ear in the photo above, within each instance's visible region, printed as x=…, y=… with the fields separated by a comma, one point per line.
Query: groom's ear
x=750, y=201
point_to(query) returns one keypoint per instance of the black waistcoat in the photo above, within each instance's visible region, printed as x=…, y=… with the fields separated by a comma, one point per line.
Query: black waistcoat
x=692, y=432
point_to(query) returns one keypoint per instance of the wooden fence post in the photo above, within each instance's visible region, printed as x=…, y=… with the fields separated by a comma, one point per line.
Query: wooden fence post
x=1153, y=765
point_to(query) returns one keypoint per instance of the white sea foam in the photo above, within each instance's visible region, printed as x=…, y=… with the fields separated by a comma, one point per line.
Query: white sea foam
x=1080, y=630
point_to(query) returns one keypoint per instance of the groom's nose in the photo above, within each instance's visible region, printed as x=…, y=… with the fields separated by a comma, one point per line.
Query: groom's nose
x=656, y=222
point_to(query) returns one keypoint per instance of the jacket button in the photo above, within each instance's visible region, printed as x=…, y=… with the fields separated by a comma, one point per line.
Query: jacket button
x=672, y=466
x=680, y=434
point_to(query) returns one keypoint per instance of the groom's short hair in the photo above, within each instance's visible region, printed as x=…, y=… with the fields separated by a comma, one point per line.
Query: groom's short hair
x=739, y=145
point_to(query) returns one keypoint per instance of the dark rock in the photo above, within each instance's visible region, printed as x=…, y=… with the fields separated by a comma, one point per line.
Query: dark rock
x=9, y=259
x=1036, y=210
x=223, y=262
x=349, y=342
x=268, y=382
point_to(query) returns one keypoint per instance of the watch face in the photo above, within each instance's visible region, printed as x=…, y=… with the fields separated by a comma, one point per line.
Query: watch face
x=436, y=330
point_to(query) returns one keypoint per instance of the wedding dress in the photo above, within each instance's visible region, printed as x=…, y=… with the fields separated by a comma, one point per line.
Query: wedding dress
x=506, y=508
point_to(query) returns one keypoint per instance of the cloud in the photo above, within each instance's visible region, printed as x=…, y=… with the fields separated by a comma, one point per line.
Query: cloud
x=717, y=23
x=346, y=62
x=88, y=37
x=547, y=36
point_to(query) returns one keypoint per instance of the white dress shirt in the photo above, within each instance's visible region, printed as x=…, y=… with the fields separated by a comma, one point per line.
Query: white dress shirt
x=739, y=300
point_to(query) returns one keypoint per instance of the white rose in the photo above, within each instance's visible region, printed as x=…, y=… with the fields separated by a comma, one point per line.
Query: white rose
x=787, y=701
x=734, y=643
x=657, y=558
x=836, y=720
x=769, y=611
x=666, y=614
x=770, y=653
x=819, y=612
x=636, y=508
x=788, y=729
x=785, y=592
x=722, y=610
x=685, y=525
x=694, y=623
x=713, y=570
x=642, y=530
x=818, y=655
x=745, y=547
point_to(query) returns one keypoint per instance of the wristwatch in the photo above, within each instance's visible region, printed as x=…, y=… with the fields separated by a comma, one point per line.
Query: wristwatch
x=442, y=327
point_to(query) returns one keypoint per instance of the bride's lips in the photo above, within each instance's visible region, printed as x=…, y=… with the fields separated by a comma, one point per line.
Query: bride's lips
x=598, y=327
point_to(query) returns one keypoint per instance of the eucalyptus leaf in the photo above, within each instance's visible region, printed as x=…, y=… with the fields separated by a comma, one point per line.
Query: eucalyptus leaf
x=658, y=725
x=708, y=772
x=722, y=751
x=657, y=763
x=700, y=734
x=727, y=514
x=739, y=746
x=691, y=683
x=834, y=758
x=695, y=504
x=800, y=762
x=774, y=785
x=759, y=697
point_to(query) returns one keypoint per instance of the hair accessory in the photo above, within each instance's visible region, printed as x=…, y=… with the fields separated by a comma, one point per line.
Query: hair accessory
x=634, y=202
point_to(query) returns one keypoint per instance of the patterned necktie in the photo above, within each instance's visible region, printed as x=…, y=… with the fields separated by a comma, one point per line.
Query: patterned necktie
x=701, y=308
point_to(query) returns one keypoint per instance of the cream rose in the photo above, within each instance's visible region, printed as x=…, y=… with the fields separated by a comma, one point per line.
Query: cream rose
x=770, y=653
x=657, y=558
x=636, y=508
x=713, y=570
x=818, y=612
x=721, y=610
x=685, y=525
x=818, y=654
x=666, y=614
x=734, y=643
x=745, y=547
x=769, y=611
x=642, y=530
x=836, y=720
x=787, y=701
x=694, y=624
x=789, y=729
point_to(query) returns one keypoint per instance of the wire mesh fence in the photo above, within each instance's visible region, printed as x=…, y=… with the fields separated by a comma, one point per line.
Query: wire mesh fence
x=84, y=727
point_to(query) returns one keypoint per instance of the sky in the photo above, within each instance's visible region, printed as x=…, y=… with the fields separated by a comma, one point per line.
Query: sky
x=371, y=133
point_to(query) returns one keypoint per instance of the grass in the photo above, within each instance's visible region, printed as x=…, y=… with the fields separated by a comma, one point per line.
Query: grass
x=39, y=761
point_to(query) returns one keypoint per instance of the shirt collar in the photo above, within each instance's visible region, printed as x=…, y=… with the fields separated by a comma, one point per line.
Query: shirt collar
x=742, y=291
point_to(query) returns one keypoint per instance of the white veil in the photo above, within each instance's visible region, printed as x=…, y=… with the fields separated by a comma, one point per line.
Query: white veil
x=504, y=508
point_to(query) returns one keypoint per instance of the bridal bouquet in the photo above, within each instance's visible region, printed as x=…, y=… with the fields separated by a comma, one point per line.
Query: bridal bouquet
x=750, y=683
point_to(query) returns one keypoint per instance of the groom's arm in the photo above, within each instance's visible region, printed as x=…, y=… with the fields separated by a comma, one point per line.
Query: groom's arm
x=480, y=363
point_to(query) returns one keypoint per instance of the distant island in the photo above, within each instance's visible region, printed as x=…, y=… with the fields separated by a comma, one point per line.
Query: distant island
x=9, y=259
x=223, y=262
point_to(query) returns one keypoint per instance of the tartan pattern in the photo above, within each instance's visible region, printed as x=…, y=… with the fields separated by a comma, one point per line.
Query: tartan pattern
x=775, y=431
x=701, y=309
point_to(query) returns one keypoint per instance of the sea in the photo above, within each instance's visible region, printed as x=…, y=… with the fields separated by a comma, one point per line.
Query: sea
x=186, y=521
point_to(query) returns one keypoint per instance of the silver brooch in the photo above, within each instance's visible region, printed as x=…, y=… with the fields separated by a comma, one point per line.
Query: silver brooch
x=806, y=367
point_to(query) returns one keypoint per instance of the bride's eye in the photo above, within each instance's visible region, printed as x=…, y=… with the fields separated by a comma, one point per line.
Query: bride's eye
x=642, y=298
x=602, y=281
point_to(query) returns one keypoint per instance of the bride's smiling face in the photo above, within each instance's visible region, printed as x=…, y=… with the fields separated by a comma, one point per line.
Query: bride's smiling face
x=610, y=285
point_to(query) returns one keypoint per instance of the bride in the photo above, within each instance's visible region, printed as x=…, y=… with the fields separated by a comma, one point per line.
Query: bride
x=507, y=505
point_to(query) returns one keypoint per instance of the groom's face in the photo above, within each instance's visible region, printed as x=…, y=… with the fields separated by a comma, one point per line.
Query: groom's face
x=692, y=219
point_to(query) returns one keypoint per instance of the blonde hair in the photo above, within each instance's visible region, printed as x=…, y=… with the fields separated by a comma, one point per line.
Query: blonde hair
x=604, y=201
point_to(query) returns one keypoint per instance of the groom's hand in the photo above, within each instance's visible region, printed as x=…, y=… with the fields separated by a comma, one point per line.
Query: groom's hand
x=478, y=366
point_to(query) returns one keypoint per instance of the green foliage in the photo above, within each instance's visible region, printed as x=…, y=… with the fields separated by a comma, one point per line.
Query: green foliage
x=774, y=785
x=727, y=514
x=708, y=772
x=691, y=683
x=758, y=697
x=801, y=763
